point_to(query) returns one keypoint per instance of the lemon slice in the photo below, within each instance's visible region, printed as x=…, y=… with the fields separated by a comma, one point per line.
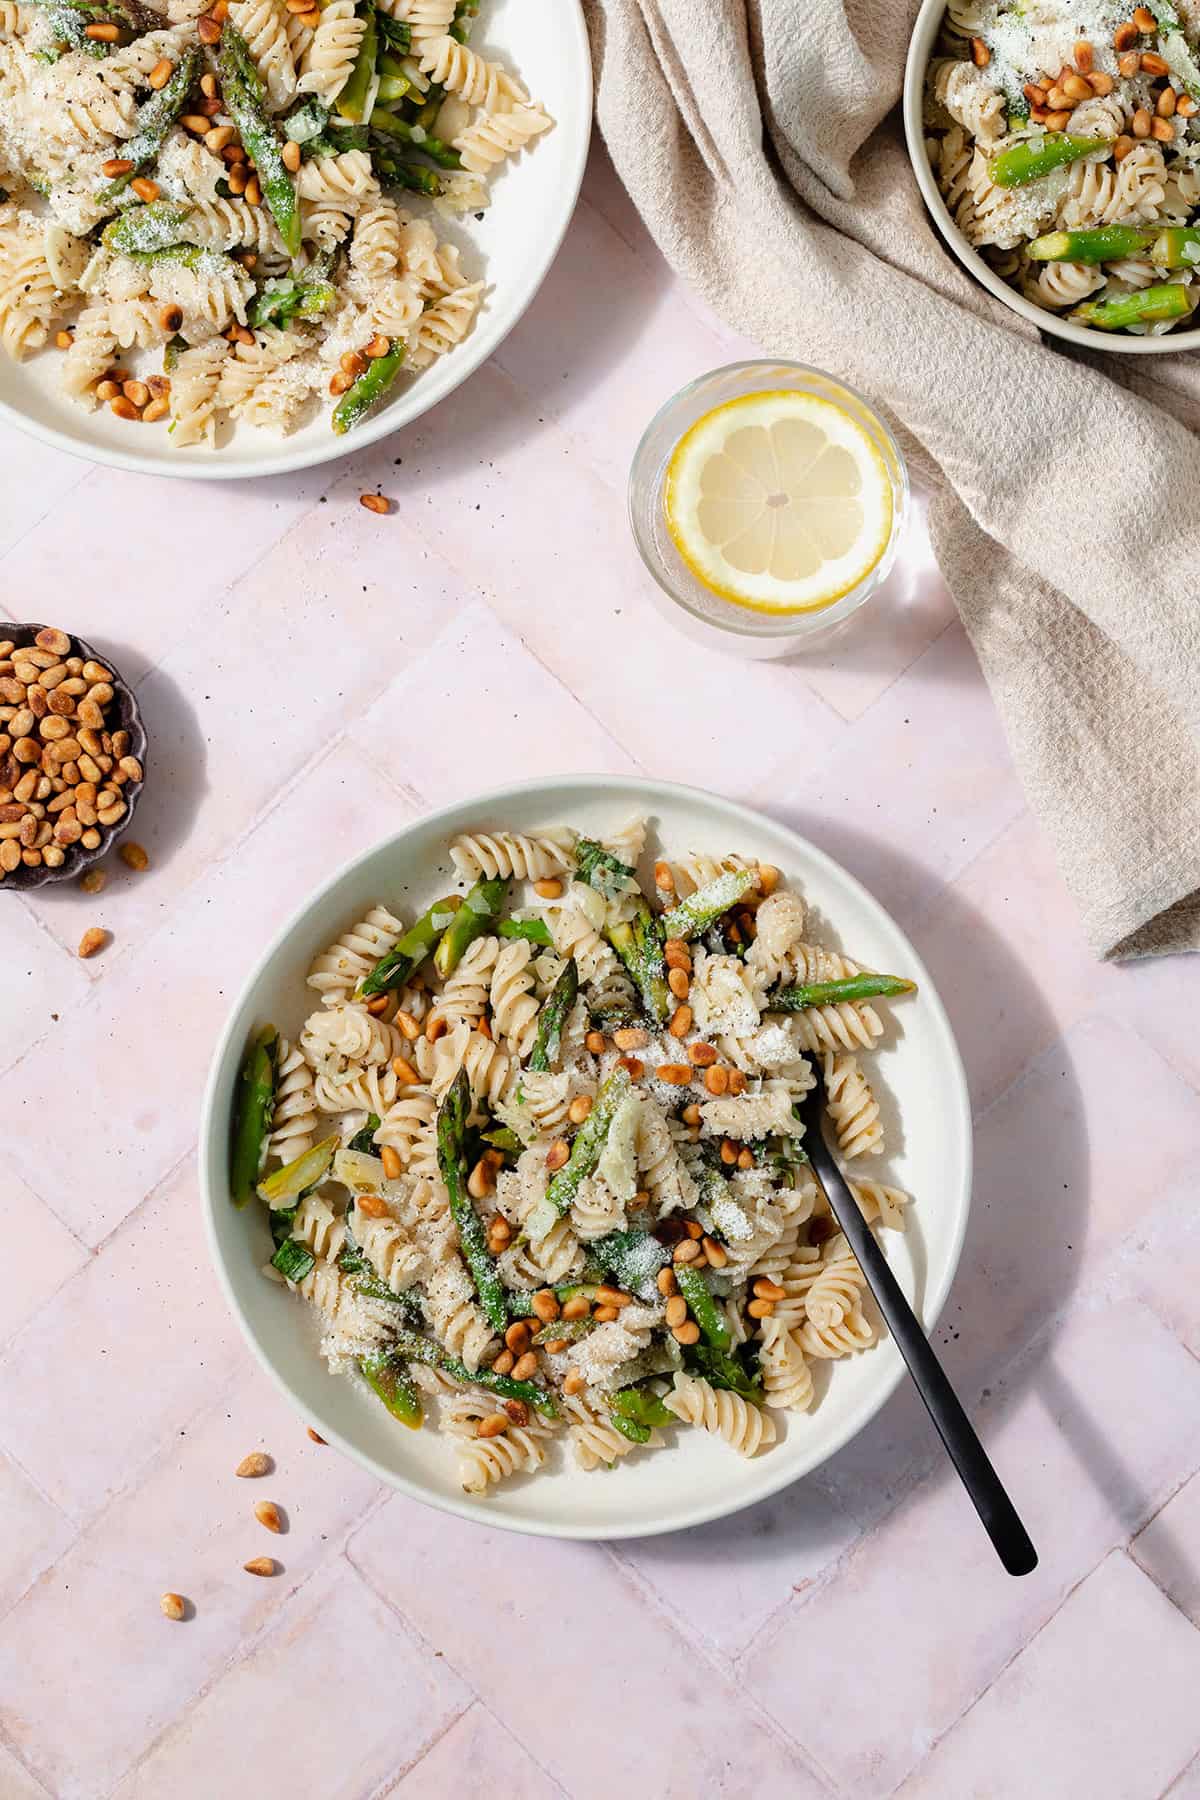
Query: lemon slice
x=779, y=501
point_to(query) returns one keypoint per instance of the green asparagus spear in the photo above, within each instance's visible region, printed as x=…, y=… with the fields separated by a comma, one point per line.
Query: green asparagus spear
x=702, y=1306
x=370, y=387
x=724, y=1369
x=1034, y=157
x=833, y=993
x=295, y=1178
x=245, y=102
x=474, y=918
x=532, y=930
x=639, y=944
x=396, y=34
x=416, y=1348
x=399, y=171
x=293, y=1259
x=707, y=904
x=1178, y=247
x=432, y=147
x=1107, y=243
x=144, y=229
x=364, y=1140
x=283, y=299
x=452, y=1165
x=387, y=1375
x=585, y=1154
x=632, y=1258
x=253, y=1105
x=1169, y=301
x=393, y=969
x=430, y=107
x=67, y=21
x=354, y=101
x=569, y=1331
x=307, y=119
x=552, y=1017
x=154, y=120
x=603, y=871
x=636, y=1411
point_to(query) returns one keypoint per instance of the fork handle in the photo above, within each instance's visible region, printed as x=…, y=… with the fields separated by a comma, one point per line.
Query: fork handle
x=1000, y=1518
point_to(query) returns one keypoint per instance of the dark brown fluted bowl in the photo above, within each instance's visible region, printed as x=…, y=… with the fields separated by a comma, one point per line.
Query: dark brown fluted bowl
x=122, y=715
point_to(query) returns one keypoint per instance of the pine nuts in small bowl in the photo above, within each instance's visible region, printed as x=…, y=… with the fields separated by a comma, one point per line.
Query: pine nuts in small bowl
x=72, y=755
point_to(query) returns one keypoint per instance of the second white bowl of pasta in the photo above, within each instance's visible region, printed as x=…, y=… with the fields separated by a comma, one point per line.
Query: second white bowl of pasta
x=1058, y=150
x=578, y=1236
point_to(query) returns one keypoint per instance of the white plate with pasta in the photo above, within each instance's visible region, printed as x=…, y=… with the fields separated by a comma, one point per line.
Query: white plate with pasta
x=398, y=200
x=510, y=1101
x=1057, y=147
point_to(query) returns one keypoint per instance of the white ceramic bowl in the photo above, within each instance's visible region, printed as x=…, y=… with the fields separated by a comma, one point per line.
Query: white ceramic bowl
x=920, y=50
x=696, y=1477
x=511, y=247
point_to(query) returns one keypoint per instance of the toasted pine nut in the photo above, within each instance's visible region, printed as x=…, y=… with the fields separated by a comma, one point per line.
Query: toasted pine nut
x=196, y=123
x=377, y=1005
x=613, y=1296
x=525, y=1367
x=681, y=1022
x=577, y=1308
x=1166, y=103
x=290, y=155
x=389, y=1156
x=1125, y=35
x=407, y=1025
x=694, y=1229
x=480, y=1182
x=237, y=179
x=716, y=1253
x=674, y=1074
x=267, y=1513
x=545, y=1305
x=1162, y=131
x=1077, y=88
x=636, y=1068
x=173, y=1606
x=686, y=1252
x=1145, y=21
x=207, y=29
x=372, y=1207
x=352, y=362
x=1057, y=121
x=630, y=1037
x=435, y=1027
x=579, y=1108
x=716, y=1080
x=761, y=1309
x=375, y=503
x=253, y=1465
x=217, y=136
x=981, y=56
x=1122, y=147
x=676, y=1311
x=315, y=1435
x=676, y=954
x=93, y=881
x=116, y=165
x=745, y=1159
x=1101, y=82
x=504, y=1362
x=261, y=1565
x=160, y=74
x=687, y=1333
x=737, y=1081
x=254, y=191
x=765, y=1289
x=1035, y=95
x=557, y=1154
x=702, y=1056
x=403, y=1070
x=679, y=981
x=103, y=34
x=1084, y=56
x=666, y=1283
x=497, y=1242
x=1058, y=99
x=517, y=1411
x=554, y=1346
x=729, y=1152
x=63, y=339
x=596, y=1043
x=144, y=188
x=123, y=408
x=92, y=941
x=573, y=1382
x=157, y=409
x=604, y=1315
x=549, y=889
x=1154, y=65
x=494, y=1425
x=768, y=878
x=378, y=346
x=1185, y=106
x=664, y=878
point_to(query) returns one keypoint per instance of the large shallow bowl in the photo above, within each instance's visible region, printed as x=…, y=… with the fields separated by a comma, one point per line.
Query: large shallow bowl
x=696, y=1477
x=920, y=50
x=511, y=247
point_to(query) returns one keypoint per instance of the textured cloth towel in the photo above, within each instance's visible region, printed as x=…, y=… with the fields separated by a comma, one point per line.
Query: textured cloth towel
x=761, y=142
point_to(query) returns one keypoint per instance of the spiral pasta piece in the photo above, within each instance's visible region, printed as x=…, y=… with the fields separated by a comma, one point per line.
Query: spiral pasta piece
x=526, y=857
x=786, y=1377
x=852, y=1107
x=514, y=1008
x=294, y=1120
x=263, y=24
x=349, y=959
x=495, y=136
x=194, y=384
x=326, y=66
x=389, y=1249
x=462, y=70
x=744, y=1428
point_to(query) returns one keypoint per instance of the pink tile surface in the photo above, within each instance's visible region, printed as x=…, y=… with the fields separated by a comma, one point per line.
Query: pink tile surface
x=312, y=677
x=1108, y=1687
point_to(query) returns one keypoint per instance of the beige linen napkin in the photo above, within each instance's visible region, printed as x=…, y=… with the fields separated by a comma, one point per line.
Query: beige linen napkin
x=760, y=142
